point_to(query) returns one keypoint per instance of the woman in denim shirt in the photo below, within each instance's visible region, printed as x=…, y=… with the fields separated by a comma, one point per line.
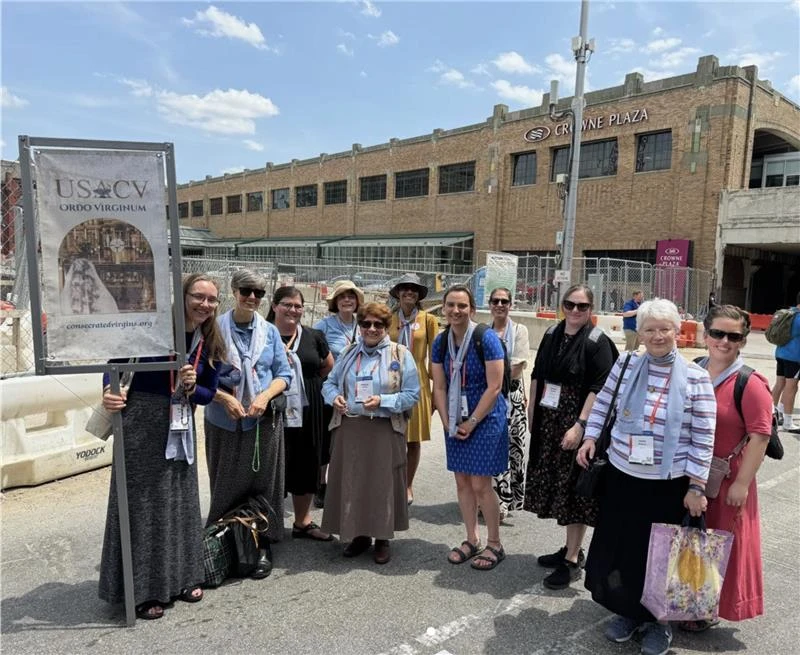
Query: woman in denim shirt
x=244, y=424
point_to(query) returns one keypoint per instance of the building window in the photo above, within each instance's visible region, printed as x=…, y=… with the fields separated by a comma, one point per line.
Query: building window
x=598, y=159
x=457, y=177
x=373, y=188
x=280, y=198
x=255, y=201
x=197, y=208
x=215, y=206
x=183, y=210
x=234, y=204
x=524, y=169
x=305, y=196
x=782, y=170
x=336, y=192
x=411, y=183
x=654, y=151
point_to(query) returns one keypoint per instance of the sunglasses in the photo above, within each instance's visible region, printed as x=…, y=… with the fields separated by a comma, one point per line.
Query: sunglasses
x=580, y=306
x=733, y=337
x=246, y=291
x=377, y=325
x=500, y=301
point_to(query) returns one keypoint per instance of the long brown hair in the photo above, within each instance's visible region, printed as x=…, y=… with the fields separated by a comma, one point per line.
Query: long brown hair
x=216, y=350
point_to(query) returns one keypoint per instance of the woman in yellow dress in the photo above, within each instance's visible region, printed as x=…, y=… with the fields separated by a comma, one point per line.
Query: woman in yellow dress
x=416, y=329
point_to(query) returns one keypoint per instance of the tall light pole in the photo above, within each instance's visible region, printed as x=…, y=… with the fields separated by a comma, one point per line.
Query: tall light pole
x=581, y=46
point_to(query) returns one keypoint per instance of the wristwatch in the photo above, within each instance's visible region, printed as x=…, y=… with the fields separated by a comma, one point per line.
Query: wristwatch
x=473, y=420
x=581, y=422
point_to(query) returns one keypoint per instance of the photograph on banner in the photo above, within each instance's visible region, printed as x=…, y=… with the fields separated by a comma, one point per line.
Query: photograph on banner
x=501, y=271
x=105, y=259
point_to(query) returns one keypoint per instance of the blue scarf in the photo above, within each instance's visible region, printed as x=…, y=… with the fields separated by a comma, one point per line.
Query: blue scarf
x=457, y=358
x=296, y=401
x=404, y=336
x=632, y=401
x=180, y=443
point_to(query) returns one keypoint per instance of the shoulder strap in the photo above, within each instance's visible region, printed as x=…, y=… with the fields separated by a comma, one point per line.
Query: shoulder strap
x=595, y=334
x=611, y=415
x=738, y=389
x=477, y=340
x=443, y=343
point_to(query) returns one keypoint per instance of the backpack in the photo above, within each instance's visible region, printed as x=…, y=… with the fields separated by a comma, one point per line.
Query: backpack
x=775, y=447
x=477, y=342
x=779, y=332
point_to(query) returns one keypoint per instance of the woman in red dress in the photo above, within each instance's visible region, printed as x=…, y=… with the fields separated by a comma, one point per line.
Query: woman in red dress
x=736, y=507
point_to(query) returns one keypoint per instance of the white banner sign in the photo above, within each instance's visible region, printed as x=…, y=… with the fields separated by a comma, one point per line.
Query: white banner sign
x=501, y=271
x=105, y=262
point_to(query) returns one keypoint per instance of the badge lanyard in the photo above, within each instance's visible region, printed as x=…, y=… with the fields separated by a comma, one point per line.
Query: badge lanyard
x=657, y=404
x=350, y=339
x=194, y=366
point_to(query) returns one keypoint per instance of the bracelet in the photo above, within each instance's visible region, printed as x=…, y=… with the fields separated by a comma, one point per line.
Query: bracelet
x=697, y=487
x=581, y=422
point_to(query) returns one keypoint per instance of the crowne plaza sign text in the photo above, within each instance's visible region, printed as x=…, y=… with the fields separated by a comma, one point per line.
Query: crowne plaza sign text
x=540, y=133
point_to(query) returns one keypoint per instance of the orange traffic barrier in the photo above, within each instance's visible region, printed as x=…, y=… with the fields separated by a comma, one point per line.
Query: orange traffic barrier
x=760, y=321
x=688, y=335
x=545, y=315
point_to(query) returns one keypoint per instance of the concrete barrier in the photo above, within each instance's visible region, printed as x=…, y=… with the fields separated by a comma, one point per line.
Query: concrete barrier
x=43, y=436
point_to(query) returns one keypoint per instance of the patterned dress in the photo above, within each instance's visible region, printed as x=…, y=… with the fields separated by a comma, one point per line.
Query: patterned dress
x=486, y=450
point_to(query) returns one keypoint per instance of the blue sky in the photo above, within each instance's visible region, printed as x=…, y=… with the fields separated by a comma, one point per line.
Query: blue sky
x=234, y=85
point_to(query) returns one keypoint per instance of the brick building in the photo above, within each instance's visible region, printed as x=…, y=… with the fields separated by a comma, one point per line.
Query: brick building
x=694, y=157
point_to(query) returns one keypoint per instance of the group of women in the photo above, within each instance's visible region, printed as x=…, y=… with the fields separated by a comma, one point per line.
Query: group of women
x=340, y=411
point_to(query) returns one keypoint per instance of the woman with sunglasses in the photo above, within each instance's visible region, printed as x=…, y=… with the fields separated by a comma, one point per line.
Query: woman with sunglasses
x=736, y=506
x=510, y=485
x=372, y=389
x=341, y=331
x=244, y=424
x=659, y=458
x=466, y=391
x=572, y=362
x=304, y=431
x=163, y=498
x=415, y=329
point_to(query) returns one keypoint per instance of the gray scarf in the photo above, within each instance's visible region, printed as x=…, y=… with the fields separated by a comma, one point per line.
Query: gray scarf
x=454, y=389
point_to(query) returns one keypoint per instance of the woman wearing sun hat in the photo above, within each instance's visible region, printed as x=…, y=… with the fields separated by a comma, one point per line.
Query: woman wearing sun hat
x=340, y=330
x=416, y=329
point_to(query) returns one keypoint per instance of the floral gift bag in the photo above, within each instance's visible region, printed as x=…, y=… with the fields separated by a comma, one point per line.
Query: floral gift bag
x=685, y=570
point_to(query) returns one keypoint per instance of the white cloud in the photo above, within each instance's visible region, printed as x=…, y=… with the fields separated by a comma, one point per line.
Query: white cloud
x=794, y=83
x=651, y=74
x=369, y=9
x=450, y=76
x=9, y=100
x=658, y=31
x=222, y=24
x=232, y=170
x=763, y=60
x=675, y=59
x=661, y=45
x=513, y=62
x=387, y=39
x=345, y=35
x=139, y=88
x=621, y=45
x=518, y=93
x=226, y=112
x=561, y=68
x=345, y=50
x=481, y=69
x=796, y=5
x=362, y=74
x=253, y=145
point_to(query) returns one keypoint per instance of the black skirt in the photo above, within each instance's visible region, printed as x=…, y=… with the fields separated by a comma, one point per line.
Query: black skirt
x=617, y=561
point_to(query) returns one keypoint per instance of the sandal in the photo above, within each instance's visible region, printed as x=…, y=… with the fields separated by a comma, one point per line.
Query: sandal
x=150, y=610
x=461, y=556
x=310, y=531
x=499, y=556
x=191, y=595
x=697, y=626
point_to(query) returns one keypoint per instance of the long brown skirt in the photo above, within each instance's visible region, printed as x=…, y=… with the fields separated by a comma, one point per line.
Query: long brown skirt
x=366, y=492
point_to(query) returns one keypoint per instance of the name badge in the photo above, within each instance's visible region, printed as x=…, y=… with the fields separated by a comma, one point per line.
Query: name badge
x=464, y=406
x=641, y=449
x=551, y=395
x=294, y=418
x=179, y=415
x=363, y=388
x=415, y=326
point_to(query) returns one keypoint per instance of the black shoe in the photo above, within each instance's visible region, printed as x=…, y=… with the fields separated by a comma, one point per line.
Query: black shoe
x=565, y=573
x=264, y=566
x=554, y=559
x=319, y=497
x=357, y=546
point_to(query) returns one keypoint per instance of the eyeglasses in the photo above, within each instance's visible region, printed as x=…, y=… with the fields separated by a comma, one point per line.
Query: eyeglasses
x=377, y=325
x=246, y=291
x=580, y=306
x=199, y=297
x=290, y=305
x=662, y=332
x=500, y=301
x=733, y=337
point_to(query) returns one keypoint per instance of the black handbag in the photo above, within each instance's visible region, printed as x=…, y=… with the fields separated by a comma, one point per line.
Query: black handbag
x=589, y=482
x=242, y=533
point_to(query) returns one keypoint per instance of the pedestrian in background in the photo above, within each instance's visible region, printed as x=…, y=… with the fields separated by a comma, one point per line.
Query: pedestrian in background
x=161, y=471
x=244, y=424
x=788, y=373
x=659, y=459
x=372, y=388
x=629, y=310
x=572, y=363
x=467, y=396
x=415, y=329
x=510, y=485
x=340, y=330
x=304, y=431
